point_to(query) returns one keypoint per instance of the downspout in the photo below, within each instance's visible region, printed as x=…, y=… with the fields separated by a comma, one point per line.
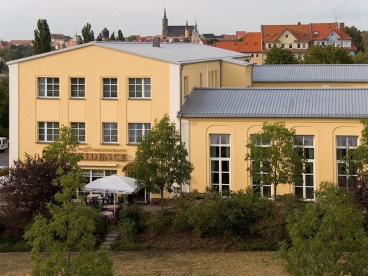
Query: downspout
x=181, y=96
x=220, y=72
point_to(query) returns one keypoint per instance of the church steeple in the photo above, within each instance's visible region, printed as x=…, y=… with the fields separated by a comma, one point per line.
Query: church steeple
x=165, y=23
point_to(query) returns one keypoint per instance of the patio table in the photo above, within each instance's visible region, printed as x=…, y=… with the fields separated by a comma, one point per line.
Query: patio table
x=108, y=215
x=110, y=208
x=93, y=197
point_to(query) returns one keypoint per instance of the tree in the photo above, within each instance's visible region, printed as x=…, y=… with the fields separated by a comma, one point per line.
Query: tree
x=112, y=37
x=132, y=38
x=99, y=37
x=27, y=190
x=360, y=58
x=327, y=55
x=161, y=159
x=4, y=106
x=69, y=227
x=327, y=237
x=120, y=36
x=273, y=157
x=42, y=38
x=356, y=35
x=87, y=33
x=365, y=41
x=280, y=56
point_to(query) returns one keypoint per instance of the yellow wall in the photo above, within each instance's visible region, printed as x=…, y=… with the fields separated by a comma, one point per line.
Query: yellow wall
x=92, y=63
x=323, y=130
x=236, y=76
x=310, y=84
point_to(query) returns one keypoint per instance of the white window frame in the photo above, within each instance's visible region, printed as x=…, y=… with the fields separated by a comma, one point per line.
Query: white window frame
x=137, y=129
x=306, y=142
x=77, y=87
x=110, y=133
x=48, y=87
x=351, y=143
x=221, y=171
x=139, y=88
x=290, y=46
x=91, y=175
x=109, y=88
x=48, y=131
x=262, y=186
x=79, y=129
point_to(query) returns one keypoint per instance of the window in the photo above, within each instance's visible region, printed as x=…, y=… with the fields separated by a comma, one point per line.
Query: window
x=110, y=88
x=48, y=87
x=77, y=87
x=260, y=185
x=185, y=84
x=200, y=80
x=290, y=46
x=136, y=130
x=48, y=131
x=269, y=46
x=298, y=46
x=252, y=55
x=282, y=45
x=91, y=175
x=306, y=144
x=318, y=43
x=110, y=132
x=220, y=162
x=286, y=35
x=345, y=147
x=274, y=45
x=323, y=43
x=303, y=45
x=140, y=88
x=300, y=56
x=256, y=55
x=79, y=130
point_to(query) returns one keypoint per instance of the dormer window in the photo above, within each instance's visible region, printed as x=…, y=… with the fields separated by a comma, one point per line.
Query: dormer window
x=315, y=33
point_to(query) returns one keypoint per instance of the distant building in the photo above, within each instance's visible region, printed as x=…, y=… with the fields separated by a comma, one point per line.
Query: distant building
x=176, y=31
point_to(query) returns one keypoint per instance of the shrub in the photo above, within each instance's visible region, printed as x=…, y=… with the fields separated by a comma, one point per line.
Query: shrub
x=128, y=231
x=327, y=237
x=135, y=213
x=156, y=223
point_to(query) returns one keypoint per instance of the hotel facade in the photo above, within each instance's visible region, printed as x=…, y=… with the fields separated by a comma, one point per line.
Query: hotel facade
x=109, y=93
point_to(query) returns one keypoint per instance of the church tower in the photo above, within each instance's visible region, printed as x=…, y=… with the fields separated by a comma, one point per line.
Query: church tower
x=165, y=23
x=195, y=34
x=186, y=30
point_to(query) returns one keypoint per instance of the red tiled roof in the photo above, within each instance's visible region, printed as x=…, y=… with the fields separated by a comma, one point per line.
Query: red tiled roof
x=228, y=45
x=271, y=33
x=21, y=42
x=251, y=43
x=323, y=29
x=241, y=34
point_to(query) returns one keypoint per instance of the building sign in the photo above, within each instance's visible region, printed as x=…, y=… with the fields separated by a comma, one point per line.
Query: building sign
x=101, y=154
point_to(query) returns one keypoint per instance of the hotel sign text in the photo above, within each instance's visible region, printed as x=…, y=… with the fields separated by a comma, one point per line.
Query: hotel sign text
x=100, y=154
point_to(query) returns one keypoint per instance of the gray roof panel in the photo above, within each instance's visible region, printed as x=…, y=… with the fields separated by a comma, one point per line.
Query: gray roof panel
x=278, y=103
x=176, y=53
x=311, y=73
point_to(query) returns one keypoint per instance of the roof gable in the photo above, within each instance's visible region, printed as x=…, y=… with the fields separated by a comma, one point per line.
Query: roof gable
x=270, y=33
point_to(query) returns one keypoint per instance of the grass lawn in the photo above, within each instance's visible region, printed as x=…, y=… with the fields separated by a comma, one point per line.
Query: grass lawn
x=169, y=263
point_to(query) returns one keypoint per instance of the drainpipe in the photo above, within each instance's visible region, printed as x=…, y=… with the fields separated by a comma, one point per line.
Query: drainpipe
x=220, y=72
x=181, y=96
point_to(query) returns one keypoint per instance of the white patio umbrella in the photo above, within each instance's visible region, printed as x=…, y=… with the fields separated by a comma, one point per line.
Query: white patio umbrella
x=114, y=184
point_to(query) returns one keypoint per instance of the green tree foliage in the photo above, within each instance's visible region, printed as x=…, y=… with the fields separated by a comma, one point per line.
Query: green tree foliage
x=273, y=158
x=328, y=55
x=327, y=237
x=360, y=155
x=365, y=41
x=63, y=242
x=99, y=37
x=87, y=33
x=4, y=106
x=360, y=58
x=42, y=38
x=161, y=159
x=132, y=38
x=356, y=35
x=280, y=56
x=112, y=37
x=120, y=36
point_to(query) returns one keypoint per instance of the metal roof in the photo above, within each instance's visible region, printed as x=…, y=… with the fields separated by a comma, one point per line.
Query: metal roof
x=277, y=103
x=176, y=53
x=311, y=73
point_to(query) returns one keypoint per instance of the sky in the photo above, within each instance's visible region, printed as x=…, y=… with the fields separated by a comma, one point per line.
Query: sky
x=18, y=18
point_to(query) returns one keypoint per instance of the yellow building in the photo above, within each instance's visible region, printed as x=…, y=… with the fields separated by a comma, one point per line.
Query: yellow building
x=218, y=123
x=110, y=93
x=310, y=75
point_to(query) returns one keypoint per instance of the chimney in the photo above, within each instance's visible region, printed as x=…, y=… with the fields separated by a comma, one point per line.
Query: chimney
x=298, y=23
x=156, y=42
x=342, y=27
